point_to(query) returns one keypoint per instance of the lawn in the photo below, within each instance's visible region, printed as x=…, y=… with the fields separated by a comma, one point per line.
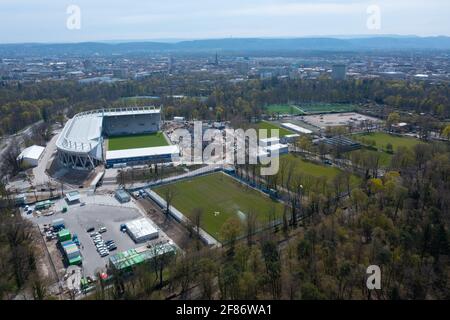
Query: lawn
x=283, y=109
x=220, y=197
x=137, y=141
x=385, y=158
x=303, y=167
x=382, y=139
x=326, y=107
x=269, y=126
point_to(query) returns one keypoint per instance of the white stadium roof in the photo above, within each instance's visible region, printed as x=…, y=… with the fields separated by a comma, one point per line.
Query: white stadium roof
x=82, y=133
x=141, y=152
x=296, y=128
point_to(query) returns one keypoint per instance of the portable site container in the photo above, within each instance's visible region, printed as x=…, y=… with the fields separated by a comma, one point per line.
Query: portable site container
x=58, y=223
x=43, y=205
x=71, y=250
x=64, y=235
x=75, y=261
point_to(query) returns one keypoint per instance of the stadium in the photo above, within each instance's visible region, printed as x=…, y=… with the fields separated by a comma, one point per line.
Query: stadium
x=81, y=144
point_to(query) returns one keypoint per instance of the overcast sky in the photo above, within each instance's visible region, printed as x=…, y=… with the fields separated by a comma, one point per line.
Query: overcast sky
x=45, y=20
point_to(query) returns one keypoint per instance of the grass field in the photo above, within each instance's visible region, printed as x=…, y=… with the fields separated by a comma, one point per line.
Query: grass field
x=306, y=168
x=219, y=193
x=268, y=126
x=326, y=107
x=382, y=139
x=385, y=158
x=137, y=141
x=283, y=109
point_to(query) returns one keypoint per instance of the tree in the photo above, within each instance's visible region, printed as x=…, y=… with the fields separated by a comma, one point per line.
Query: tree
x=169, y=195
x=446, y=132
x=393, y=118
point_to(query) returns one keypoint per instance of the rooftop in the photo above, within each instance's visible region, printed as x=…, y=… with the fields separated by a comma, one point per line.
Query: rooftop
x=33, y=152
x=141, y=152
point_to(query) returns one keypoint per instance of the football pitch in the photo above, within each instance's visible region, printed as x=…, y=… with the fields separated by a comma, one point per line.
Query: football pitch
x=137, y=141
x=269, y=126
x=326, y=108
x=283, y=109
x=314, y=171
x=220, y=198
x=382, y=139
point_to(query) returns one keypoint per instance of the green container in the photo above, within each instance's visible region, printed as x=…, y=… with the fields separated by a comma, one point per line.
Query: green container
x=64, y=235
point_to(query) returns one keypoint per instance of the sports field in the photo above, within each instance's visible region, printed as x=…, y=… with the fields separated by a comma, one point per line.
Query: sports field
x=137, y=141
x=306, y=168
x=269, y=126
x=382, y=139
x=326, y=107
x=220, y=197
x=283, y=109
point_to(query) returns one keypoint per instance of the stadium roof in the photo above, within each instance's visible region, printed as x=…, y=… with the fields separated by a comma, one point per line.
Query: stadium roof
x=141, y=152
x=84, y=130
x=296, y=128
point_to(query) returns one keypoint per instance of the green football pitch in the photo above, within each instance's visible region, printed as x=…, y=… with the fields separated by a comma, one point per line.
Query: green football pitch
x=326, y=107
x=283, y=109
x=137, y=141
x=269, y=126
x=220, y=198
x=314, y=171
x=382, y=139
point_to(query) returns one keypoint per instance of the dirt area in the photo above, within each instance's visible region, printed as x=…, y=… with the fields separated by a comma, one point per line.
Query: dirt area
x=172, y=228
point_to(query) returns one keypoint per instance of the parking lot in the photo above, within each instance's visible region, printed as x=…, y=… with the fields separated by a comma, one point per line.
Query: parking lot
x=96, y=213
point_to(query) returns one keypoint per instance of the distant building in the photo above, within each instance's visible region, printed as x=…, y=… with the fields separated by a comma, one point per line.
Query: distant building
x=339, y=72
x=342, y=144
x=122, y=196
x=73, y=197
x=30, y=156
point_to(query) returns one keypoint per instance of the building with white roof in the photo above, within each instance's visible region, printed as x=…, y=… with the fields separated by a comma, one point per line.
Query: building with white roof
x=141, y=230
x=142, y=155
x=296, y=128
x=31, y=156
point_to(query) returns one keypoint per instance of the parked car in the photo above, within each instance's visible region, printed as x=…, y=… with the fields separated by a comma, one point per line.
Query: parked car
x=102, y=230
x=123, y=227
x=90, y=229
x=112, y=247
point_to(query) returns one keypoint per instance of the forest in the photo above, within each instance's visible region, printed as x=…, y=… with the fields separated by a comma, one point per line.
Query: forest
x=211, y=99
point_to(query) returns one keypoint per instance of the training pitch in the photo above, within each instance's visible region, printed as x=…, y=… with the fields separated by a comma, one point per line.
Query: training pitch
x=137, y=141
x=382, y=139
x=326, y=108
x=269, y=126
x=308, y=172
x=220, y=198
x=283, y=109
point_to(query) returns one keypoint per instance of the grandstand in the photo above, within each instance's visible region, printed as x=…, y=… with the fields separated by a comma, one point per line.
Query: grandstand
x=80, y=144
